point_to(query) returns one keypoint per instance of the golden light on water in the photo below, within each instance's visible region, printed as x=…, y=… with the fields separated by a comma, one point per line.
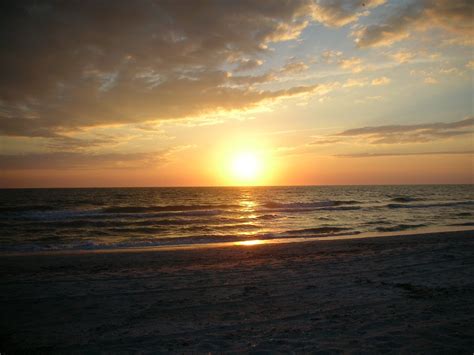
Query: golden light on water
x=250, y=242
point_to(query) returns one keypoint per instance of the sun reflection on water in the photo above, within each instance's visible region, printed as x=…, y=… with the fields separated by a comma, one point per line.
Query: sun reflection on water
x=248, y=205
x=250, y=242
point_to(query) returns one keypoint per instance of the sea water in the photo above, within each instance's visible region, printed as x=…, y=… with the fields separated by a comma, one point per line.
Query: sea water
x=99, y=218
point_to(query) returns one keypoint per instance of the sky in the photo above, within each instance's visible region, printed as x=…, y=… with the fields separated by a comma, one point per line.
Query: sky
x=174, y=93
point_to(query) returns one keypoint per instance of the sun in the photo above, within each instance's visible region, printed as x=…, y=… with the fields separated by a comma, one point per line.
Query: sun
x=246, y=167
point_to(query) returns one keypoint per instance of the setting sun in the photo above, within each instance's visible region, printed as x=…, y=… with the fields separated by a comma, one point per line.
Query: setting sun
x=235, y=165
x=246, y=167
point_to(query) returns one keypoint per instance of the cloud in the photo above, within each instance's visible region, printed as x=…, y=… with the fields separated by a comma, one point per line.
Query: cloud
x=429, y=76
x=294, y=68
x=353, y=64
x=248, y=64
x=355, y=83
x=430, y=80
x=417, y=133
x=421, y=55
x=454, y=17
x=337, y=13
x=396, y=154
x=381, y=81
x=324, y=141
x=250, y=79
x=69, y=65
x=450, y=71
x=368, y=99
x=361, y=82
x=389, y=134
x=329, y=56
x=65, y=143
x=470, y=64
x=78, y=160
x=403, y=56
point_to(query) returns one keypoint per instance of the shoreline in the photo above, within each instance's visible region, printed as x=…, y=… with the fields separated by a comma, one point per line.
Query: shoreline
x=244, y=242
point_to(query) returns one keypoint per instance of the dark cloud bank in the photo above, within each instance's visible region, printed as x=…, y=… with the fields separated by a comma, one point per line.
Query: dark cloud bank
x=71, y=64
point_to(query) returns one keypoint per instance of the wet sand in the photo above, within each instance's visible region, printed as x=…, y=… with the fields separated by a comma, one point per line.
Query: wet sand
x=401, y=294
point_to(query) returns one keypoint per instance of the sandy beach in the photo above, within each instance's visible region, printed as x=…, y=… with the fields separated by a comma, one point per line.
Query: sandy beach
x=401, y=294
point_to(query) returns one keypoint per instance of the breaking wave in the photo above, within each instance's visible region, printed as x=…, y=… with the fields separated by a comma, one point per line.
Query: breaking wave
x=431, y=205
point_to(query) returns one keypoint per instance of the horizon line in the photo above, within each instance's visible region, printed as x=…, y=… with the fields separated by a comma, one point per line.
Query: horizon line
x=226, y=186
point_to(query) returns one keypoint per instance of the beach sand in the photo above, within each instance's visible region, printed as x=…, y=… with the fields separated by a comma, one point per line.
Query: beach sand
x=406, y=294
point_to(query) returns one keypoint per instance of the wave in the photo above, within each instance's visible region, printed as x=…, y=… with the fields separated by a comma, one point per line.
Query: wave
x=53, y=214
x=139, y=230
x=341, y=208
x=89, y=202
x=155, y=241
x=56, y=215
x=377, y=222
x=314, y=231
x=399, y=227
x=430, y=205
x=317, y=204
x=28, y=208
x=404, y=199
x=329, y=205
x=466, y=224
x=49, y=212
x=134, y=242
x=194, y=213
x=464, y=214
x=268, y=216
x=166, y=208
x=240, y=227
x=81, y=223
x=306, y=209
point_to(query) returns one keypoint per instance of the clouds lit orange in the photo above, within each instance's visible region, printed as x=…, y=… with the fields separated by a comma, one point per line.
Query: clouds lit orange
x=90, y=98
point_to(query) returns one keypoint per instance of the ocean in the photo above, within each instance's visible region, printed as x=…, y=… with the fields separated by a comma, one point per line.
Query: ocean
x=104, y=218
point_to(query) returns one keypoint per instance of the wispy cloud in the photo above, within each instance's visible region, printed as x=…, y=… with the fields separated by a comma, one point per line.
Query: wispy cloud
x=456, y=17
x=337, y=13
x=246, y=64
x=355, y=83
x=83, y=161
x=381, y=81
x=403, y=56
x=391, y=134
x=430, y=80
x=386, y=135
x=294, y=67
x=361, y=82
x=353, y=64
x=396, y=154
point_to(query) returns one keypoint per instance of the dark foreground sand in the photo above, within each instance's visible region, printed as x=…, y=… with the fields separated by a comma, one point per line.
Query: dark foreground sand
x=407, y=294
